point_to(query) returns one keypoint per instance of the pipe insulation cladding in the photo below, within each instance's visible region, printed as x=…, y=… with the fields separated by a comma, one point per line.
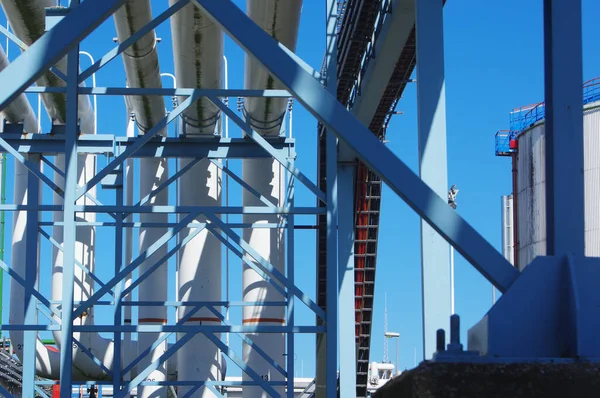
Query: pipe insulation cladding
x=142, y=71
x=198, y=55
x=281, y=19
x=19, y=111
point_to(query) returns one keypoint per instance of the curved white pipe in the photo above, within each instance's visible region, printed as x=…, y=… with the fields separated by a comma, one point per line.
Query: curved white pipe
x=19, y=111
x=141, y=62
x=198, y=52
x=27, y=19
x=280, y=18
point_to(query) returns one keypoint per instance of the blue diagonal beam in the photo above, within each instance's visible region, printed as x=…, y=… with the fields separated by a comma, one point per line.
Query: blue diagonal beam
x=24, y=47
x=53, y=46
x=395, y=173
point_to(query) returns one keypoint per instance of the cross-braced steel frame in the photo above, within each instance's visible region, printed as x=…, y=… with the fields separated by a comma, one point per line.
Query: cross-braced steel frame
x=563, y=42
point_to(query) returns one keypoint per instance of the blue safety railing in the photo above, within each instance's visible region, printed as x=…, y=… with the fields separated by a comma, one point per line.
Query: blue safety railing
x=526, y=116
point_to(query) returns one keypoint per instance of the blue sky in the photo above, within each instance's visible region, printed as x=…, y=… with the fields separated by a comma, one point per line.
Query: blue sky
x=494, y=62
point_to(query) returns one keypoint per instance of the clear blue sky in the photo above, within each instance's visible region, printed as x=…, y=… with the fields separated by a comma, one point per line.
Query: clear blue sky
x=494, y=62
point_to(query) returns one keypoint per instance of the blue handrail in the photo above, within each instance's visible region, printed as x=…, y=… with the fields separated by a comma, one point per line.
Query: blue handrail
x=526, y=116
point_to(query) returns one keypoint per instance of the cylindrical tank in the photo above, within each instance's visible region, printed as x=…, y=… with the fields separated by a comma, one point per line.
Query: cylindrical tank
x=531, y=178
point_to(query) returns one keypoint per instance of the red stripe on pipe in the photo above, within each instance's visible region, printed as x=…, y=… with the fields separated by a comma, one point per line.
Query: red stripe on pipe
x=259, y=320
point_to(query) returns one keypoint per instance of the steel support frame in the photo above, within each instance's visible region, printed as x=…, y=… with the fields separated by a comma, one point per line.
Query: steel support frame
x=302, y=84
x=280, y=149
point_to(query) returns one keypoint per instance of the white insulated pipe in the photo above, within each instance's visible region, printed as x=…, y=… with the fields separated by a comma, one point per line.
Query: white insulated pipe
x=27, y=20
x=142, y=71
x=265, y=176
x=19, y=111
x=198, y=54
x=281, y=19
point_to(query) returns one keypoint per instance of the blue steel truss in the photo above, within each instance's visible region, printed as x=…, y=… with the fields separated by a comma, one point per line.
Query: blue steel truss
x=563, y=36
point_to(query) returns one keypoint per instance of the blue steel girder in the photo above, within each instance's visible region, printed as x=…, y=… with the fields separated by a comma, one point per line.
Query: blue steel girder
x=53, y=46
x=369, y=149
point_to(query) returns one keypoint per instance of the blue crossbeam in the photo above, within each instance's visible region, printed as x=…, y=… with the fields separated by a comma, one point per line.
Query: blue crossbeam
x=52, y=47
x=369, y=149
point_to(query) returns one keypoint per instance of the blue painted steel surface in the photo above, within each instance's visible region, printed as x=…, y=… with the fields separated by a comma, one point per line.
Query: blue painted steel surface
x=433, y=165
x=118, y=314
x=467, y=241
x=346, y=179
x=564, y=128
x=168, y=147
x=332, y=205
x=561, y=291
x=290, y=319
x=69, y=230
x=53, y=46
x=31, y=258
x=24, y=47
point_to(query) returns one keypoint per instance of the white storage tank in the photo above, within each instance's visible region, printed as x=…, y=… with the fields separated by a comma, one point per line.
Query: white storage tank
x=531, y=200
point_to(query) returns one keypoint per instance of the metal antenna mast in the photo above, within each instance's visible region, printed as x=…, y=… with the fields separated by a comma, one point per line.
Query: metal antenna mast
x=385, y=330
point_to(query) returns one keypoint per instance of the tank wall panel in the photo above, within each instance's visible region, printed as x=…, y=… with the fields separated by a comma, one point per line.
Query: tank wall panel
x=531, y=188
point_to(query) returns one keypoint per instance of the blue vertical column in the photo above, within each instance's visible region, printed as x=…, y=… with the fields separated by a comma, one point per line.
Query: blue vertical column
x=332, y=214
x=564, y=128
x=119, y=288
x=290, y=295
x=324, y=366
x=346, y=179
x=431, y=102
x=69, y=230
x=31, y=280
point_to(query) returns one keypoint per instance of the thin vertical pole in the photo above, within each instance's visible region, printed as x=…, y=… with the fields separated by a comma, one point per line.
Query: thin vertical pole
x=69, y=230
x=31, y=281
x=433, y=165
x=347, y=320
x=564, y=128
x=290, y=295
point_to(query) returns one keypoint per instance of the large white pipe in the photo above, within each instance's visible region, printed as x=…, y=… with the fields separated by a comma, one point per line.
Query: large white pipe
x=142, y=70
x=27, y=19
x=19, y=111
x=47, y=362
x=280, y=18
x=265, y=176
x=198, y=52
